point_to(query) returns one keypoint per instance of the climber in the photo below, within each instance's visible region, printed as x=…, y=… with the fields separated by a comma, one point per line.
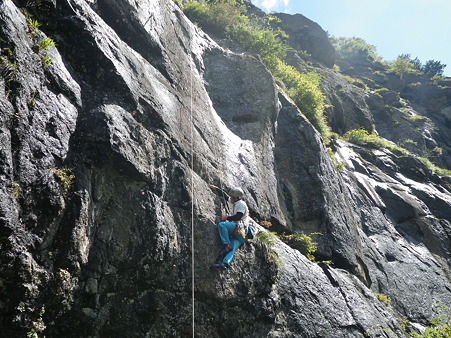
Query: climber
x=232, y=229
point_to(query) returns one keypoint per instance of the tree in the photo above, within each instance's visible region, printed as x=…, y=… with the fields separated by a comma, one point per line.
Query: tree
x=402, y=66
x=432, y=68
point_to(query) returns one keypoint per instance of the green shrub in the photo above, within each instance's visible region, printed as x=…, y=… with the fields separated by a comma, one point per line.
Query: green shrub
x=356, y=82
x=434, y=168
x=66, y=177
x=301, y=242
x=45, y=43
x=417, y=118
x=363, y=138
x=257, y=39
x=33, y=26
x=403, y=66
x=351, y=48
x=383, y=298
x=304, y=90
x=268, y=240
x=214, y=16
x=440, y=327
x=46, y=61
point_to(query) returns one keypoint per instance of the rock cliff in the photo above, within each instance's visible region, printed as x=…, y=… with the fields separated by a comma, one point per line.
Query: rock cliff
x=105, y=158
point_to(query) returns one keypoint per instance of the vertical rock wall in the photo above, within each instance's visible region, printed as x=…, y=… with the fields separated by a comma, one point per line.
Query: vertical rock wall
x=104, y=163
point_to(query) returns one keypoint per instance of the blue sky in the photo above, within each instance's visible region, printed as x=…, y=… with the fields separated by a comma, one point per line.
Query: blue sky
x=421, y=28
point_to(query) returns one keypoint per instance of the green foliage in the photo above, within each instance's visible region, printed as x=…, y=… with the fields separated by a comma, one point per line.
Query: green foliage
x=439, y=327
x=255, y=38
x=46, y=61
x=45, y=43
x=356, y=82
x=436, y=80
x=301, y=242
x=381, y=91
x=383, y=298
x=434, y=168
x=33, y=26
x=339, y=166
x=433, y=68
x=268, y=240
x=65, y=176
x=351, y=48
x=363, y=138
x=8, y=69
x=215, y=16
x=38, y=324
x=416, y=63
x=417, y=118
x=304, y=90
x=403, y=66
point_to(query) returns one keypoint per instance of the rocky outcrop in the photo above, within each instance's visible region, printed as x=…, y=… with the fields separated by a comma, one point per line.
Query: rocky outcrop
x=306, y=35
x=105, y=159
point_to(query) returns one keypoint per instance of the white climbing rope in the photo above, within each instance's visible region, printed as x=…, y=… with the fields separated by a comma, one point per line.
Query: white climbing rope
x=192, y=193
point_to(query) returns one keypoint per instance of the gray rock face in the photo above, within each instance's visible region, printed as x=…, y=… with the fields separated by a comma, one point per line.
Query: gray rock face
x=306, y=35
x=145, y=110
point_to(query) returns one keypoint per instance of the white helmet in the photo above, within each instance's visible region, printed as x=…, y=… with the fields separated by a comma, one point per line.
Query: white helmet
x=236, y=192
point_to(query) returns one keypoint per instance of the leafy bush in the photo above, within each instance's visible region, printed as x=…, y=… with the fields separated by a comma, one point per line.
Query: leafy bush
x=301, y=242
x=431, y=68
x=304, y=90
x=256, y=38
x=268, y=240
x=362, y=137
x=383, y=298
x=434, y=168
x=214, y=16
x=351, y=48
x=403, y=66
x=440, y=327
x=66, y=177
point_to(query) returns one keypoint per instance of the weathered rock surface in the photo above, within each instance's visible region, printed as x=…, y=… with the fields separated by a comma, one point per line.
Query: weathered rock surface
x=146, y=110
x=306, y=35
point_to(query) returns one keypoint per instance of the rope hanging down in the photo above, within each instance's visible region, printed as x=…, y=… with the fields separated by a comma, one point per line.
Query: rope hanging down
x=192, y=193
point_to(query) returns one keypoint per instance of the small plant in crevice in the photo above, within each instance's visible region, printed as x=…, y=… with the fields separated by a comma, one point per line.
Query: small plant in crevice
x=46, y=61
x=66, y=177
x=33, y=26
x=46, y=43
x=383, y=298
x=339, y=166
x=8, y=69
x=38, y=325
x=17, y=192
x=268, y=240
